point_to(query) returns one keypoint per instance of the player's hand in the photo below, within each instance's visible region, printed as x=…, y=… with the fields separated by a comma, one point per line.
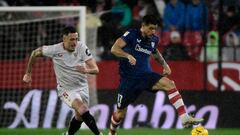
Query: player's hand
x=27, y=78
x=82, y=69
x=131, y=60
x=166, y=70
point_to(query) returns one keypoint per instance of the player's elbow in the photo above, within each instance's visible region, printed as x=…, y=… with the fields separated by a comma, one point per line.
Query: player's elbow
x=96, y=70
x=34, y=53
x=114, y=50
x=37, y=52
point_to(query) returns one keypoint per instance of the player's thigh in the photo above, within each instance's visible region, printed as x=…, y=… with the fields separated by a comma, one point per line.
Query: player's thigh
x=72, y=98
x=163, y=84
x=124, y=98
x=81, y=104
x=84, y=93
x=127, y=92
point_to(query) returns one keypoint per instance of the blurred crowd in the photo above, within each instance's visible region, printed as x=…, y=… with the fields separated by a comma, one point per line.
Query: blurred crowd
x=187, y=26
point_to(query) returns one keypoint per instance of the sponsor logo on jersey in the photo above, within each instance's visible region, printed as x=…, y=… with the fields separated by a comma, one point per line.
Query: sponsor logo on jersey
x=140, y=49
x=58, y=55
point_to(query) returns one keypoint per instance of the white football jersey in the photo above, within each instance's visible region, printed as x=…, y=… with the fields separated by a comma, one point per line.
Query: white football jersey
x=65, y=63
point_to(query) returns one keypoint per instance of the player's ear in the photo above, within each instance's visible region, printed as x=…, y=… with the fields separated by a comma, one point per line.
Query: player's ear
x=65, y=37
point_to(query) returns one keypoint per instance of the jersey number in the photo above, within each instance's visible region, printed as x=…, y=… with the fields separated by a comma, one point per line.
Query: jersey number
x=119, y=100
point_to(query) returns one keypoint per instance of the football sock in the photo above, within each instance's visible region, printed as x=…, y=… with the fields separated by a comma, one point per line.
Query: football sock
x=176, y=100
x=114, y=122
x=74, y=126
x=90, y=122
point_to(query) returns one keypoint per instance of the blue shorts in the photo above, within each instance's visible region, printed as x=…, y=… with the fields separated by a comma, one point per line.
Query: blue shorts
x=130, y=88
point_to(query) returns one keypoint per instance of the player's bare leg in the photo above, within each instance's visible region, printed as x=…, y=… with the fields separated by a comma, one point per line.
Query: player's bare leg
x=87, y=118
x=116, y=119
x=176, y=100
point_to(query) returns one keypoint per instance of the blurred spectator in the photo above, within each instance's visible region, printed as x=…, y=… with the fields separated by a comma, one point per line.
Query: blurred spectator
x=3, y=3
x=212, y=47
x=92, y=20
x=160, y=4
x=174, y=16
x=230, y=51
x=212, y=15
x=196, y=16
x=140, y=10
x=107, y=33
x=212, y=20
x=92, y=24
x=231, y=39
x=100, y=6
x=193, y=41
x=231, y=19
x=121, y=10
x=175, y=50
x=152, y=10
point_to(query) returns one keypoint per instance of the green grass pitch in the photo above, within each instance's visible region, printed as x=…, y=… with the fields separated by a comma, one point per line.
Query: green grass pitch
x=135, y=131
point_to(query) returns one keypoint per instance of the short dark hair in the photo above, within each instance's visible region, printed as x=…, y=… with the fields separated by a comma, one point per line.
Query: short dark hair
x=69, y=29
x=150, y=19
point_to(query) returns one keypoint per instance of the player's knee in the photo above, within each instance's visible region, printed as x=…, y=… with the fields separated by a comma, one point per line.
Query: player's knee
x=158, y=85
x=78, y=115
x=82, y=109
x=170, y=85
x=120, y=114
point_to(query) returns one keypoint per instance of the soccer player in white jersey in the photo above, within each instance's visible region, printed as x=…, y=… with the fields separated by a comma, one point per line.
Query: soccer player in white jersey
x=72, y=61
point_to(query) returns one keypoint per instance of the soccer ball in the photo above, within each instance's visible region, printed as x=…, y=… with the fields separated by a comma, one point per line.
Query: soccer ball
x=199, y=130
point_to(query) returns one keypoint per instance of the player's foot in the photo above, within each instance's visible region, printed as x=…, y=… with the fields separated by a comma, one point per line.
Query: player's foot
x=190, y=121
x=65, y=133
x=112, y=132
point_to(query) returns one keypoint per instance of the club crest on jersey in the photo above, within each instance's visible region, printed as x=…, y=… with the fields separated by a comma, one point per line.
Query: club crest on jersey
x=139, y=40
x=126, y=33
x=152, y=44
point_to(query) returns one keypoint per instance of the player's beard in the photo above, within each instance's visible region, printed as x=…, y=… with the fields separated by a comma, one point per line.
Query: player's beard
x=72, y=48
x=149, y=35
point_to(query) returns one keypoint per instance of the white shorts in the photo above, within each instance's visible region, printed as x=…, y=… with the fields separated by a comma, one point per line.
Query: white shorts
x=68, y=96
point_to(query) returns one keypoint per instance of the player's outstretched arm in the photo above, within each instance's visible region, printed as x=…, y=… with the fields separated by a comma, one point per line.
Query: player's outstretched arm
x=119, y=52
x=90, y=68
x=35, y=53
x=159, y=58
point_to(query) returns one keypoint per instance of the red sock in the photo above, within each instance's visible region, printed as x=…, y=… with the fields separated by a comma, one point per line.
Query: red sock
x=176, y=100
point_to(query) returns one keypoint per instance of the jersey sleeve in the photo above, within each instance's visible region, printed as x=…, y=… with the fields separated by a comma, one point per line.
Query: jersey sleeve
x=156, y=45
x=128, y=36
x=85, y=53
x=48, y=50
